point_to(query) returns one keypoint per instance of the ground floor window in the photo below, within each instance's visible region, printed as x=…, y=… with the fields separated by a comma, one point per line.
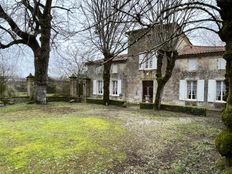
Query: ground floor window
x=100, y=87
x=192, y=90
x=220, y=90
x=115, y=87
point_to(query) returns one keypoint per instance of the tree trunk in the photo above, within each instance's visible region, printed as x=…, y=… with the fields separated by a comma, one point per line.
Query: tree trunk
x=106, y=78
x=171, y=57
x=224, y=139
x=42, y=59
x=159, y=93
x=41, y=78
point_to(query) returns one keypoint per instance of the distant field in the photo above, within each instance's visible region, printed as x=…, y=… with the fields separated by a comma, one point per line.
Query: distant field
x=84, y=138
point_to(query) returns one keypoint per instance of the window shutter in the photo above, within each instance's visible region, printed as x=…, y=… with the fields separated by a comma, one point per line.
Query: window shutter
x=119, y=87
x=94, y=87
x=154, y=62
x=183, y=90
x=111, y=87
x=141, y=61
x=211, y=90
x=200, y=90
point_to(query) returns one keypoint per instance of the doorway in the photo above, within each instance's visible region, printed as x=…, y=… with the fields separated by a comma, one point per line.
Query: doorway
x=148, y=91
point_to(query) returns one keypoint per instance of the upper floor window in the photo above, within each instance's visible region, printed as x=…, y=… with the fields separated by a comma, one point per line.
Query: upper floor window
x=114, y=68
x=99, y=69
x=220, y=90
x=192, y=90
x=221, y=64
x=192, y=64
x=147, y=61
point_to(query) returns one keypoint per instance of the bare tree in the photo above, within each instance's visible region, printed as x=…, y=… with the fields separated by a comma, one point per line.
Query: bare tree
x=7, y=72
x=224, y=139
x=72, y=60
x=106, y=27
x=167, y=26
x=31, y=23
x=224, y=30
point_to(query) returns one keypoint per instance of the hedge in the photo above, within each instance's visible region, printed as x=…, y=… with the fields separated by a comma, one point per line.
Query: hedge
x=100, y=101
x=175, y=108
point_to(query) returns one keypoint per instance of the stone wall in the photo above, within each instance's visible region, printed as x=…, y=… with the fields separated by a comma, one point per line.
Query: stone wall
x=95, y=72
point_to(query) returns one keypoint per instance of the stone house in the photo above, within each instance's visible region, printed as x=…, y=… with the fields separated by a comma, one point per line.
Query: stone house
x=197, y=79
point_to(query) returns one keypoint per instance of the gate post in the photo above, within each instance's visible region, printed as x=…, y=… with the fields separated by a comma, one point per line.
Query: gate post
x=73, y=86
x=30, y=86
x=86, y=88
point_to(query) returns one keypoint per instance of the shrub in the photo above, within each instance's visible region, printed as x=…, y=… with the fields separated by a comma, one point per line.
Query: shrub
x=224, y=145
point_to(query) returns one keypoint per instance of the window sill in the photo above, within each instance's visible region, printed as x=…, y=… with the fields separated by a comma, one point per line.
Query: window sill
x=218, y=101
x=147, y=69
x=191, y=100
x=114, y=95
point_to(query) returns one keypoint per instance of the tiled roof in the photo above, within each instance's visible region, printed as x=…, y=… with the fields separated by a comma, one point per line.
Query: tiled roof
x=186, y=52
x=201, y=50
x=119, y=58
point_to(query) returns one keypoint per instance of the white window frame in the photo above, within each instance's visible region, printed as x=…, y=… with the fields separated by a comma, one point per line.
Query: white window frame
x=115, y=88
x=114, y=68
x=147, y=61
x=100, y=87
x=222, y=90
x=191, y=90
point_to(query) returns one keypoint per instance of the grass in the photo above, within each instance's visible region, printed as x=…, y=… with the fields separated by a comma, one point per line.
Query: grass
x=37, y=140
x=86, y=138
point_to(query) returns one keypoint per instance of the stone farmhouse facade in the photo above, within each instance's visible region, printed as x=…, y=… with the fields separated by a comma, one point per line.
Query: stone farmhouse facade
x=197, y=79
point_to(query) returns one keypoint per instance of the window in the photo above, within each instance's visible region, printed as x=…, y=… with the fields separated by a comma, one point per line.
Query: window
x=221, y=64
x=220, y=90
x=100, y=87
x=147, y=61
x=192, y=65
x=192, y=90
x=99, y=69
x=115, y=87
x=114, y=69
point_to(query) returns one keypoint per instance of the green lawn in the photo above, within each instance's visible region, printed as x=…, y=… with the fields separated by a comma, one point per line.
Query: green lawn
x=36, y=139
x=84, y=138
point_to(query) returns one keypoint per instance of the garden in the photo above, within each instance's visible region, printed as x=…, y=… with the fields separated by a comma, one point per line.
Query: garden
x=87, y=138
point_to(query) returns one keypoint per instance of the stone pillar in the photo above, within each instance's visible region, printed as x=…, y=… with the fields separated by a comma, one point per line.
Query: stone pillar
x=73, y=86
x=86, y=88
x=30, y=86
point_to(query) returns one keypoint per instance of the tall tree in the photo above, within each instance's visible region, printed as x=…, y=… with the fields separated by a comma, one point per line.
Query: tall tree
x=36, y=35
x=106, y=27
x=224, y=139
x=31, y=23
x=167, y=26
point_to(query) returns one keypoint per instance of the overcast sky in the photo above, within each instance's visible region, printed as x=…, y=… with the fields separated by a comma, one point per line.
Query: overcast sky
x=22, y=56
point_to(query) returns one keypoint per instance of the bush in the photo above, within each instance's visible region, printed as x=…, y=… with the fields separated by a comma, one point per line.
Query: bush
x=146, y=106
x=224, y=143
x=185, y=109
x=227, y=116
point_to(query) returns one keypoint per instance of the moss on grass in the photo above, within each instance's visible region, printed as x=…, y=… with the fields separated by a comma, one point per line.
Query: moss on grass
x=58, y=144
